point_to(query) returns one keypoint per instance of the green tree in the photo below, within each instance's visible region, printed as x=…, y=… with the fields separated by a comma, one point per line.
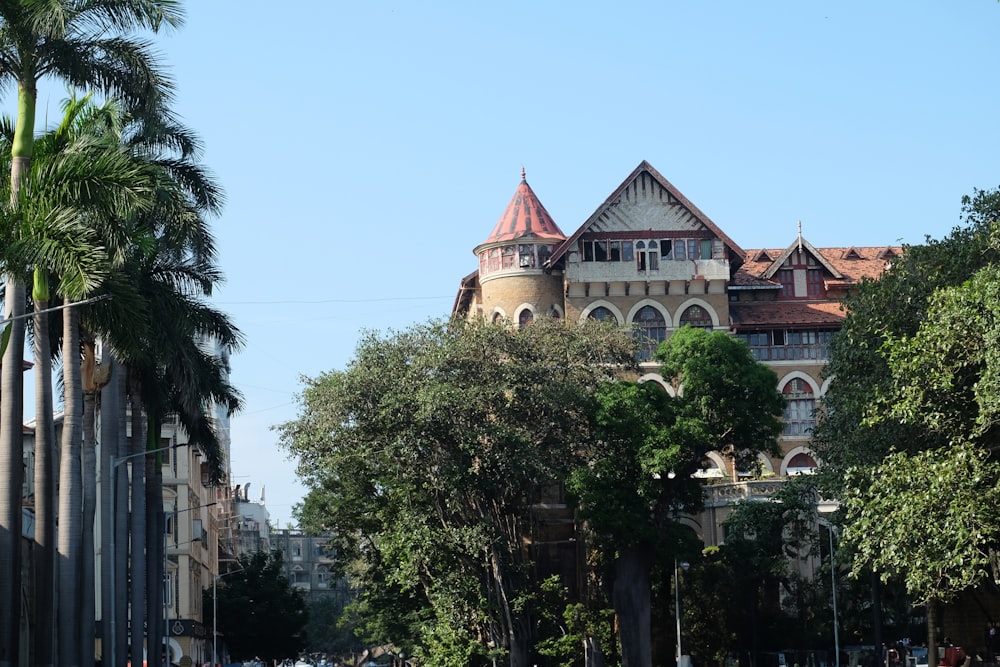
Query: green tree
x=955, y=489
x=425, y=458
x=858, y=426
x=637, y=477
x=260, y=614
x=81, y=43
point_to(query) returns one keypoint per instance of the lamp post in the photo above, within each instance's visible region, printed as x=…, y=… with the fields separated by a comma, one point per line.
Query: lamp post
x=677, y=607
x=833, y=589
x=116, y=461
x=215, y=613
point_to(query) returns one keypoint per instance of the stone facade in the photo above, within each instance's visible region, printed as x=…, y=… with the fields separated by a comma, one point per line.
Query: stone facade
x=649, y=257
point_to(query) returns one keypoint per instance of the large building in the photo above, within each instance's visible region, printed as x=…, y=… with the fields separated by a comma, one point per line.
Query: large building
x=649, y=257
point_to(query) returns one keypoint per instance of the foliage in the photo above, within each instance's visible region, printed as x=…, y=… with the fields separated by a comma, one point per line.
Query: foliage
x=329, y=630
x=260, y=614
x=424, y=458
x=567, y=626
x=637, y=476
x=955, y=490
x=852, y=430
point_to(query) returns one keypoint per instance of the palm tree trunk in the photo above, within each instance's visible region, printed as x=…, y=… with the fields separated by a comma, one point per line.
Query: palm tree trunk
x=12, y=407
x=137, y=527
x=11, y=478
x=43, y=637
x=110, y=401
x=70, y=497
x=155, y=547
x=88, y=622
x=121, y=526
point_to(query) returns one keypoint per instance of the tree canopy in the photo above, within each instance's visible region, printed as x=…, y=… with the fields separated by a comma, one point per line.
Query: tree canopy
x=260, y=615
x=425, y=458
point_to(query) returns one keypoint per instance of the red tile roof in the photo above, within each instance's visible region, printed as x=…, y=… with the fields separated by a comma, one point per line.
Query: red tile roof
x=766, y=314
x=853, y=264
x=525, y=217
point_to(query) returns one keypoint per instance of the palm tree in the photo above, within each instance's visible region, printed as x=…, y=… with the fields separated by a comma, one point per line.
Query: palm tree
x=167, y=263
x=87, y=44
x=73, y=179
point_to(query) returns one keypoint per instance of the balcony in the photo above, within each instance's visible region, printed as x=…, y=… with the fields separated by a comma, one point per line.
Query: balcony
x=730, y=493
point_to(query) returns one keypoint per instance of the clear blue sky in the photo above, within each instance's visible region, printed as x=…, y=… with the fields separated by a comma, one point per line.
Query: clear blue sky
x=366, y=148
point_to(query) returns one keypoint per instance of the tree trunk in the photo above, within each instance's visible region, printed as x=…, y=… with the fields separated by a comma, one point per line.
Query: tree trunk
x=121, y=527
x=110, y=399
x=43, y=639
x=932, y=645
x=11, y=477
x=70, y=497
x=138, y=525
x=12, y=404
x=631, y=600
x=88, y=621
x=155, y=547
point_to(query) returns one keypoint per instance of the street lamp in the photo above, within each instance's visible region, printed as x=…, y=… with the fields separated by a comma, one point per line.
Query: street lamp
x=833, y=590
x=677, y=607
x=116, y=461
x=215, y=613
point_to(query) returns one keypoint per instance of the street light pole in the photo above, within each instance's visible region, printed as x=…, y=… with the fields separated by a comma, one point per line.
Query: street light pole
x=677, y=608
x=833, y=588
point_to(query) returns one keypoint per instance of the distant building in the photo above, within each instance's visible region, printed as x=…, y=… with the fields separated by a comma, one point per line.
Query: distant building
x=308, y=564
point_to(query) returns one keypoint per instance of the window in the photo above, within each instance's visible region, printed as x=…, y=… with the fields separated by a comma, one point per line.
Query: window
x=526, y=256
x=800, y=464
x=706, y=248
x=544, y=252
x=814, y=284
x=788, y=345
x=507, y=254
x=493, y=259
x=601, y=314
x=787, y=279
x=647, y=256
x=800, y=408
x=697, y=317
x=525, y=318
x=652, y=331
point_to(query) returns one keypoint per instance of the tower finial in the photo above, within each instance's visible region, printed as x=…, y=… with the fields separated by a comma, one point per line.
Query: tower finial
x=522, y=173
x=800, y=236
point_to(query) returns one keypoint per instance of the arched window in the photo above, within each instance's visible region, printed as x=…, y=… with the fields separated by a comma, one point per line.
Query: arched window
x=652, y=331
x=647, y=259
x=696, y=316
x=525, y=318
x=800, y=464
x=800, y=408
x=601, y=313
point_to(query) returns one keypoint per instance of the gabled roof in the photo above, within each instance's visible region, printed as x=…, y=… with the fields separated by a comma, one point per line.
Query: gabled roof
x=849, y=265
x=525, y=217
x=801, y=243
x=681, y=200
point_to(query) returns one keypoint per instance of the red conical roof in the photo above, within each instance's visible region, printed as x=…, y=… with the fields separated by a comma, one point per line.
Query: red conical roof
x=525, y=217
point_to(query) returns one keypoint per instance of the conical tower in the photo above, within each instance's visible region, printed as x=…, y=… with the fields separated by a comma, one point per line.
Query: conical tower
x=515, y=279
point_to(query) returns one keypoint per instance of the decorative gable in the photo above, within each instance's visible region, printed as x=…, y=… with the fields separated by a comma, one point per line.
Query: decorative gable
x=851, y=253
x=646, y=205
